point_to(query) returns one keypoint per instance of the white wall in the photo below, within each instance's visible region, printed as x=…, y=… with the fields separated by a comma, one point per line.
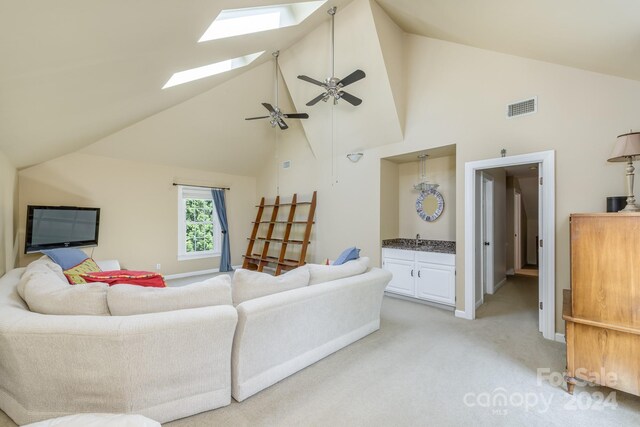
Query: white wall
x=442, y=171
x=532, y=233
x=139, y=207
x=8, y=198
x=389, y=200
x=457, y=95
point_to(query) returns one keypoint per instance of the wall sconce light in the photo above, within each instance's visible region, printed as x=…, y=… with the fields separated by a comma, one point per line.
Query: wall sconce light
x=355, y=157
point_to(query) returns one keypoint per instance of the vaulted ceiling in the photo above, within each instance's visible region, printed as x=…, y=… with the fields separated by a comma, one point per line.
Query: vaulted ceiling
x=81, y=72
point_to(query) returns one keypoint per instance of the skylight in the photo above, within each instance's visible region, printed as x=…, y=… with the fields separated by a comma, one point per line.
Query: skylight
x=210, y=70
x=236, y=22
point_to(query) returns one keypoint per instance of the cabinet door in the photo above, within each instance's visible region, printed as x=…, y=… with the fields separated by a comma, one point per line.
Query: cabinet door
x=436, y=282
x=403, y=281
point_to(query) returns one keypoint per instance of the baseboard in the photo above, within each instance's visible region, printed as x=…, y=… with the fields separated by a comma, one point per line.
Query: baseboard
x=510, y=272
x=560, y=338
x=462, y=314
x=479, y=303
x=196, y=273
x=499, y=285
x=419, y=301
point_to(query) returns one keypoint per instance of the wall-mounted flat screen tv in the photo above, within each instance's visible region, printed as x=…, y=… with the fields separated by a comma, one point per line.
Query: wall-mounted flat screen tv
x=50, y=227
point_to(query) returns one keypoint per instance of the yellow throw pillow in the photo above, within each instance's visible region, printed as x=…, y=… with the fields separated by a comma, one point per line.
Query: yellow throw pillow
x=74, y=273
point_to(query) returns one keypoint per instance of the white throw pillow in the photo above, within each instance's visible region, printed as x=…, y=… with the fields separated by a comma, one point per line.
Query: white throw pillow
x=249, y=284
x=45, y=293
x=326, y=273
x=125, y=300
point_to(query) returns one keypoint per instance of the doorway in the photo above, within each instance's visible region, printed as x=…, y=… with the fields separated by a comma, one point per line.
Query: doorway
x=474, y=262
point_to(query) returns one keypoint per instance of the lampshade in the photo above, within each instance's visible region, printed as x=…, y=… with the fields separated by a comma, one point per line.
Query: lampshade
x=627, y=145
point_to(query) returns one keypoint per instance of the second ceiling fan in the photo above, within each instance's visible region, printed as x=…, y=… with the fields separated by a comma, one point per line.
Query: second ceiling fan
x=333, y=85
x=275, y=115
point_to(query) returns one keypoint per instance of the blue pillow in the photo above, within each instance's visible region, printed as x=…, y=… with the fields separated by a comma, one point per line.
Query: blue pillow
x=347, y=255
x=66, y=257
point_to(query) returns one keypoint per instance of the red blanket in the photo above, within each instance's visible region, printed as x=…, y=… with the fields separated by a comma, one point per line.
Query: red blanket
x=117, y=277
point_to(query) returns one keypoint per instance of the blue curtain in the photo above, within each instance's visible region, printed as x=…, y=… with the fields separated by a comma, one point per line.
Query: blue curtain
x=221, y=208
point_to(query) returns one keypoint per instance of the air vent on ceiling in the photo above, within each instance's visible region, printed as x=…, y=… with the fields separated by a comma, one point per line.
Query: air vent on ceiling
x=522, y=108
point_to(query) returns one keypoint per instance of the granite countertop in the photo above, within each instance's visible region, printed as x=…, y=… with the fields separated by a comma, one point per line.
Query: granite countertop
x=441, y=246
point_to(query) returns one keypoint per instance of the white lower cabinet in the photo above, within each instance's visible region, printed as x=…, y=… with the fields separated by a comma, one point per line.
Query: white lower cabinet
x=402, y=282
x=424, y=275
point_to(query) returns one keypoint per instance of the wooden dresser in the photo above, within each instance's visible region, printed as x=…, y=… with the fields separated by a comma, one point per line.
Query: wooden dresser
x=602, y=309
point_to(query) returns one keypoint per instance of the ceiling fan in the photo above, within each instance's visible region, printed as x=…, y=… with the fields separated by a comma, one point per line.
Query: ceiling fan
x=333, y=85
x=275, y=115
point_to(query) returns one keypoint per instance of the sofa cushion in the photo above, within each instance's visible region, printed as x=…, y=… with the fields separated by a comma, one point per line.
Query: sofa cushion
x=42, y=265
x=66, y=257
x=347, y=255
x=74, y=274
x=248, y=284
x=125, y=300
x=45, y=293
x=325, y=273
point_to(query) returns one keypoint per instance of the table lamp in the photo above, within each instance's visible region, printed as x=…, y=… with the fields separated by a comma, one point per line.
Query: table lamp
x=626, y=149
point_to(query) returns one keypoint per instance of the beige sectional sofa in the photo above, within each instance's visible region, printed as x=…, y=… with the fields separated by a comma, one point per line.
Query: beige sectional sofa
x=173, y=364
x=161, y=365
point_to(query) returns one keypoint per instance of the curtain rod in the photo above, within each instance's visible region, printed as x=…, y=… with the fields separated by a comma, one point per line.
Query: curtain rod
x=203, y=186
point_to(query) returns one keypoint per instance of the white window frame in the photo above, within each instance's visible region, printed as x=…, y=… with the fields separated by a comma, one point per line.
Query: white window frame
x=186, y=192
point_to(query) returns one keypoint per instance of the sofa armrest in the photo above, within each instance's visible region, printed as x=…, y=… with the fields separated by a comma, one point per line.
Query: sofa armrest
x=282, y=333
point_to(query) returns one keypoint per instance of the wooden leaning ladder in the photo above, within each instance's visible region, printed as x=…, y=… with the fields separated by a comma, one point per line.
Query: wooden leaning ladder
x=258, y=261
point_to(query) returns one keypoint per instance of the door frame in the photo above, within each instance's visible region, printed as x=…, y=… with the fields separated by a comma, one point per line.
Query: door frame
x=486, y=235
x=546, y=224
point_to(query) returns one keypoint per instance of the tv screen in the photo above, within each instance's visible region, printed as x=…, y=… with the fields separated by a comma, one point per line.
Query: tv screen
x=50, y=227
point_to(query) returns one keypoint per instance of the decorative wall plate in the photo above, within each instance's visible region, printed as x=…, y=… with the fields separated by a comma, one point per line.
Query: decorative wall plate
x=430, y=205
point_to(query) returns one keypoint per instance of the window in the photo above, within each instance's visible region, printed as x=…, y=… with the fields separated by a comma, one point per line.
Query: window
x=210, y=70
x=199, y=233
x=237, y=22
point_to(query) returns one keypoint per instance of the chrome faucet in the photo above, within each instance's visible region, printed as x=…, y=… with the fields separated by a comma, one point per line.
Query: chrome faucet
x=417, y=239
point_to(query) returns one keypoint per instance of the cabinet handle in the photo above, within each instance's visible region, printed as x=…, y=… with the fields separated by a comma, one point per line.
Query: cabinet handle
x=411, y=273
x=418, y=273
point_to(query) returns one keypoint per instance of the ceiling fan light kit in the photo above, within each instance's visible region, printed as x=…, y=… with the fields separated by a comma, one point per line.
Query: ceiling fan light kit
x=276, y=116
x=333, y=86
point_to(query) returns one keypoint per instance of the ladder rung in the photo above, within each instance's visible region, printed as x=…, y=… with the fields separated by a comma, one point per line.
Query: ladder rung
x=284, y=204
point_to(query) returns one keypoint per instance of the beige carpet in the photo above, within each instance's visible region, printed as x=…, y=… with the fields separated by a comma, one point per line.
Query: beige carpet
x=418, y=369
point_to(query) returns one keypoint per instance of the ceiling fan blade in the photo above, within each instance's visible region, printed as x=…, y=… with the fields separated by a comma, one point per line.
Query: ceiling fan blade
x=353, y=100
x=352, y=78
x=268, y=107
x=315, y=100
x=310, y=80
x=256, y=118
x=296, y=116
x=282, y=125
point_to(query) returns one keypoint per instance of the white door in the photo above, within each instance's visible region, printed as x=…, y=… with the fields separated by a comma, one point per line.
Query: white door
x=486, y=239
x=541, y=266
x=517, y=231
x=403, y=280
